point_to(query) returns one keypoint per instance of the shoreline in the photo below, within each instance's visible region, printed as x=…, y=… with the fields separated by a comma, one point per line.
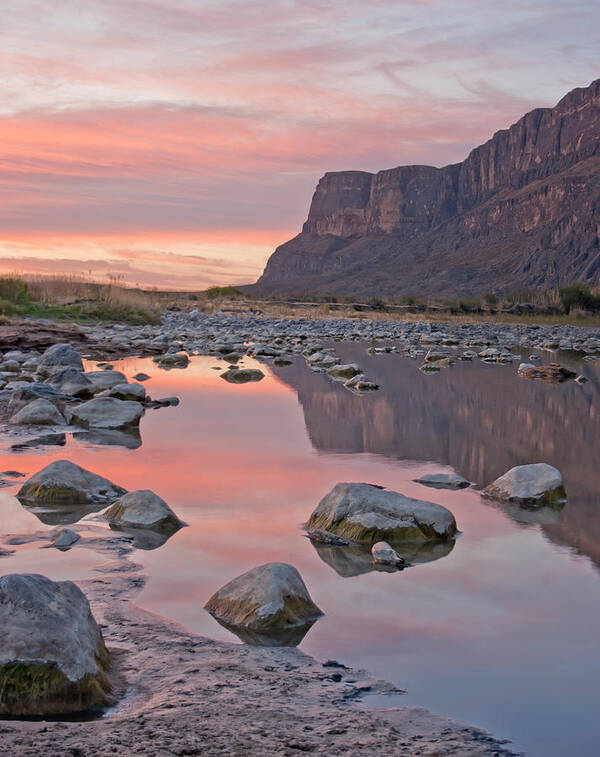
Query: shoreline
x=179, y=693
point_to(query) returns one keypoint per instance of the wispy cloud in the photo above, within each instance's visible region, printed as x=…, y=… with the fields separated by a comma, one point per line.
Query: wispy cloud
x=156, y=117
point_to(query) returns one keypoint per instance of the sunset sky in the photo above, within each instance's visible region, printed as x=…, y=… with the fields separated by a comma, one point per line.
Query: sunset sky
x=177, y=142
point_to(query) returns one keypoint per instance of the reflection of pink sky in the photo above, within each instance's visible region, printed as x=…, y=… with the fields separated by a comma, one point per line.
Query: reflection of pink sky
x=236, y=464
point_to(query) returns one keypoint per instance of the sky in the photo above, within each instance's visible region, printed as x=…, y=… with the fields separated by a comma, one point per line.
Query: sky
x=176, y=143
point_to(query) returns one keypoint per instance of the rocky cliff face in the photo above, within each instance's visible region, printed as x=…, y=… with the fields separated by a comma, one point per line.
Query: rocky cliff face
x=522, y=210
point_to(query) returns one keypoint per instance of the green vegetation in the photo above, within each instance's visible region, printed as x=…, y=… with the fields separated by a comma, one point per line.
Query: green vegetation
x=214, y=292
x=578, y=296
x=74, y=300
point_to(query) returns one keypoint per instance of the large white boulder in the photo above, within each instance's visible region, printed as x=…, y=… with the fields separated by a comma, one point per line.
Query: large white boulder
x=64, y=483
x=271, y=603
x=366, y=514
x=52, y=655
x=106, y=412
x=533, y=485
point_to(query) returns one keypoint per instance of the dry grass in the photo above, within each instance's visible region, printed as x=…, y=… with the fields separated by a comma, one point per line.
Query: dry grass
x=76, y=299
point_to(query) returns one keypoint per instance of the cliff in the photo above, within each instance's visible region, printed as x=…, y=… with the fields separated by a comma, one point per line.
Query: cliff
x=522, y=210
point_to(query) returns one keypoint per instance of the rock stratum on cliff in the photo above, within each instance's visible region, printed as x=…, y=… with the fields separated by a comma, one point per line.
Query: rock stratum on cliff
x=521, y=211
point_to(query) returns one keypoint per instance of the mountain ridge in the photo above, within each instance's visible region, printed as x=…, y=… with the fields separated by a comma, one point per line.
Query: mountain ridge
x=521, y=211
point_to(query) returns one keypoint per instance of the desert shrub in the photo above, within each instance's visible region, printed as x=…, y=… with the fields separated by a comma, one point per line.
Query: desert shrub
x=579, y=296
x=228, y=291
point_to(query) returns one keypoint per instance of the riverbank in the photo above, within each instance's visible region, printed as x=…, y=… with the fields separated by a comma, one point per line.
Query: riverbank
x=183, y=694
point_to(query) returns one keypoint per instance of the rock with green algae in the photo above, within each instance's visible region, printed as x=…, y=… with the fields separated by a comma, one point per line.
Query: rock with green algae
x=268, y=605
x=62, y=483
x=533, y=485
x=53, y=658
x=142, y=509
x=367, y=514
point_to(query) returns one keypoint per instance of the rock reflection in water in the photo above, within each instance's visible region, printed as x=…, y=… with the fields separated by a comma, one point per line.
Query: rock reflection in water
x=355, y=561
x=61, y=515
x=47, y=440
x=480, y=419
x=147, y=538
x=129, y=439
x=288, y=637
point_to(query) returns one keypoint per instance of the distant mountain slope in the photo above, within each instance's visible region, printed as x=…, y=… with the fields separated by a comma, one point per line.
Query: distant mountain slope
x=521, y=211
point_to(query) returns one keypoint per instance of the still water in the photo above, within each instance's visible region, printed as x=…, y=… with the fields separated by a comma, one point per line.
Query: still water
x=502, y=631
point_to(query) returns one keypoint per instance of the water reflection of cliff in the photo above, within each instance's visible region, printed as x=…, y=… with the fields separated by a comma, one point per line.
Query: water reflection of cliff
x=480, y=419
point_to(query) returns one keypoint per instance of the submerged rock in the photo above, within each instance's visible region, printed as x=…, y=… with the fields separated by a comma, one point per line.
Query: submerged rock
x=64, y=483
x=57, y=357
x=64, y=539
x=38, y=413
x=268, y=605
x=534, y=485
x=52, y=655
x=443, y=481
x=344, y=372
x=242, y=375
x=106, y=412
x=142, y=509
x=553, y=372
x=367, y=514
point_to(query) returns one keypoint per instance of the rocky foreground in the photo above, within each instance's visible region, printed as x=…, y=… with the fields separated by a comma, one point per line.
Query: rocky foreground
x=178, y=693
x=182, y=694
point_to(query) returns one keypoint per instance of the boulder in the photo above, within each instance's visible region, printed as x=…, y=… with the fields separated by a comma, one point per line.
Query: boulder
x=133, y=391
x=534, y=485
x=173, y=360
x=344, y=372
x=242, y=375
x=366, y=514
x=141, y=377
x=553, y=372
x=383, y=554
x=106, y=412
x=429, y=368
x=38, y=413
x=269, y=604
x=64, y=539
x=64, y=483
x=57, y=357
x=106, y=379
x=72, y=382
x=443, y=481
x=142, y=509
x=52, y=655
x=26, y=394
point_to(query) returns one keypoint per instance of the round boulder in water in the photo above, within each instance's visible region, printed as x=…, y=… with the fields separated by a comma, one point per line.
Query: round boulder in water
x=366, y=514
x=142, y=509
x=52, y=655
x=268, y=605
x=64, y=483
x=534, y=485
x=106, y=412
